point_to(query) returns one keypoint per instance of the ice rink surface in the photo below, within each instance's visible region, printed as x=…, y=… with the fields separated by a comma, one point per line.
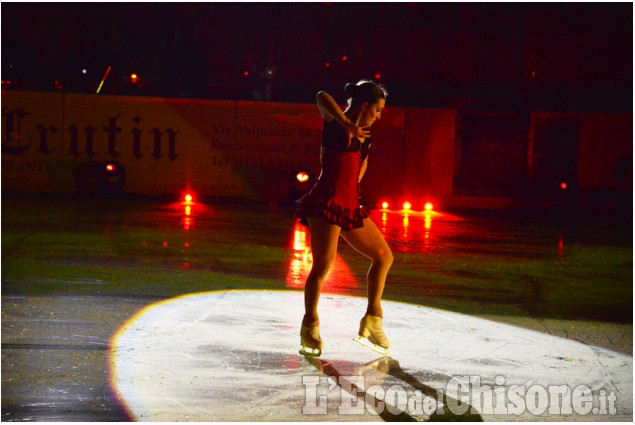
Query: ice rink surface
x=136, y=309
x=232, y=356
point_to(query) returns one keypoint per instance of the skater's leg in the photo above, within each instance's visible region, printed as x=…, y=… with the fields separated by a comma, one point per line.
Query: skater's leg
x=324, y=238
x=369, y=241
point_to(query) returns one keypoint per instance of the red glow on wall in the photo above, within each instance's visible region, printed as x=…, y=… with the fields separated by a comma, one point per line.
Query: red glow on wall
x=302, y=177
x=165, y=243
x=344, y=58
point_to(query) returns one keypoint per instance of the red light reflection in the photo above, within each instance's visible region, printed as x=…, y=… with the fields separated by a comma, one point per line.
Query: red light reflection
x=340, y=279
x=384, y=220
x=427, y=225
x=412, y=231
x=187, y=218
x=406, y=226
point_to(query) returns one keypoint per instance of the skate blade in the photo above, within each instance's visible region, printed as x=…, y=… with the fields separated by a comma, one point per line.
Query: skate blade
x=375, y=347
x=314, y=352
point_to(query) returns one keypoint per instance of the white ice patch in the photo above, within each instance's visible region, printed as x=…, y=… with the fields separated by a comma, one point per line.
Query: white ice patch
x=233, y=356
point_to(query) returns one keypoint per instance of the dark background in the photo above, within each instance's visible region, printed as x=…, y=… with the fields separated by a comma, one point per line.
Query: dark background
x=575, y=57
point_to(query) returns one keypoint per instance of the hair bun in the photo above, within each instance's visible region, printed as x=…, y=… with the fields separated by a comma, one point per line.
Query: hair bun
x=349, y=89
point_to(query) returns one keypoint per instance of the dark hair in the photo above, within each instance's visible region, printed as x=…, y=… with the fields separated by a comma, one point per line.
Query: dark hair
x=364, y=91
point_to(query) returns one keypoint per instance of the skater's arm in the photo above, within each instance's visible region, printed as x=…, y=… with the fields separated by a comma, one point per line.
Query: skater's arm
x=331, y=111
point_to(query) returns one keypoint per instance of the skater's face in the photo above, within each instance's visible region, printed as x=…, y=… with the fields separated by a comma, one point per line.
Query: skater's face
x=371, y=112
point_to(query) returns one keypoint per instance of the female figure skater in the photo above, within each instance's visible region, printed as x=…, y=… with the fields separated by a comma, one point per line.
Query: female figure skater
x=331, y=209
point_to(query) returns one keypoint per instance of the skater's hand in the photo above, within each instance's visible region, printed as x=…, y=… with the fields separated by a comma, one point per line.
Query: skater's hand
x=354, y=131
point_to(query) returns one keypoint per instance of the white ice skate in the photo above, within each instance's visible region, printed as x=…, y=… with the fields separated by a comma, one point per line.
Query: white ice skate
x=371, y=334
x=311, y=342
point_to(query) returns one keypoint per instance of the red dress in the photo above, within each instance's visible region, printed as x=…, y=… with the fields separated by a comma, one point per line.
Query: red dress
x=335, y=195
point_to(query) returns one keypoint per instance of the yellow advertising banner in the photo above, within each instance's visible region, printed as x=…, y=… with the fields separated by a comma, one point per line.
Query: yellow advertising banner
x=32, y=134
x=164, y=146
x=67, y=143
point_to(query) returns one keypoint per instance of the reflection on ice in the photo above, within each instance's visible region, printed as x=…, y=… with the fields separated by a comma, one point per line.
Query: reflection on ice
x=340, y=278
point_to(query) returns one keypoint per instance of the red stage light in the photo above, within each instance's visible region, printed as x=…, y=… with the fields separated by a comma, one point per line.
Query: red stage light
x=133, y=78
x=302, y=177
x=110, y=167
x=377, y=76
x=428, y=206
x=563, y=186
x=246, y=73
x=328, y=64
x=344, y=58
x=385, y=205
x=165, y=243
x=189, y=198
x=407, y=205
